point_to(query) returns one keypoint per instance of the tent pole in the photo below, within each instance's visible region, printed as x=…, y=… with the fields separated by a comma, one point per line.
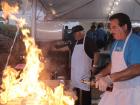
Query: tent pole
x=33, y=24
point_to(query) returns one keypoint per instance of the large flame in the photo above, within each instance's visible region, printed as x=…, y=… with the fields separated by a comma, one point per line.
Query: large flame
x=8, y=10
x=24, y=87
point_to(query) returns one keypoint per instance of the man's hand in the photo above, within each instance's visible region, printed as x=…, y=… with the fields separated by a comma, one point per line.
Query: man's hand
x=103, y=82
x=98, y=76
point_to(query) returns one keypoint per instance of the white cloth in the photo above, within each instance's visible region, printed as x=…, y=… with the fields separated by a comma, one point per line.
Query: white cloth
x=124, y=92
x=80, y=67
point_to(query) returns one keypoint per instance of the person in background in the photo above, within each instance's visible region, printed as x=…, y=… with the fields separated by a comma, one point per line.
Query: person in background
x=101, y=37
x=81, y=64
x=68, y=38
x=124, y=70
x=66, y=33
x=91, y=33
x=110, y=38
x=136, y=30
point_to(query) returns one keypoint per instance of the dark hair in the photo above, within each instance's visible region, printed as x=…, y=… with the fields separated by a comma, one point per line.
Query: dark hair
x=66, y=27
x=100, y=25
x=93, y=26
x=77, y=28
x=123, y=19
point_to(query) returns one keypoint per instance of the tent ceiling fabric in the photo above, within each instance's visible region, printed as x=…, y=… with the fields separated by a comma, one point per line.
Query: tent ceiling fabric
x=88, y=9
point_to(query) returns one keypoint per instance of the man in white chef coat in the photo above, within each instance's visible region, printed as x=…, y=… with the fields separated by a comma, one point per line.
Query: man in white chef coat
x=81, y=64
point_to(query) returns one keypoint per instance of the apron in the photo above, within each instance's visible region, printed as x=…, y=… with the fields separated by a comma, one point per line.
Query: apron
x=80, y=67
x=124, y=92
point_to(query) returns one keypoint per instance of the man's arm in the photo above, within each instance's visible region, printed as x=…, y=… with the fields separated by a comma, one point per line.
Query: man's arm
x=126, y=74
x=96, y=58
x=95, y=63
x=106, y=70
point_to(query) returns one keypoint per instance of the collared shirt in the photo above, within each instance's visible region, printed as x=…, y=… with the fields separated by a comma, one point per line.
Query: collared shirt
x=91, y=34
x=101, y=34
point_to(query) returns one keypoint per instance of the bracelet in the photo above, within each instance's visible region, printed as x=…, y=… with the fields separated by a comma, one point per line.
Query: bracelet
x=95, y=66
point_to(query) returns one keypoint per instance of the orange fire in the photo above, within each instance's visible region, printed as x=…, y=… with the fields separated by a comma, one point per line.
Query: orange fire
x=25, y=88
x=8, y=10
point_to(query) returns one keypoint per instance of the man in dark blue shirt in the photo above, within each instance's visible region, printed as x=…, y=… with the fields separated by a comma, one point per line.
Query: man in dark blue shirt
x=101, y=36
x=91, y=33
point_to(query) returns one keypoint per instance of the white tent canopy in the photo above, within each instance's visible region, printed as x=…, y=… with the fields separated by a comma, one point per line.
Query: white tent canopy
x=89, y=9
x=47, y=12
x=84, y=11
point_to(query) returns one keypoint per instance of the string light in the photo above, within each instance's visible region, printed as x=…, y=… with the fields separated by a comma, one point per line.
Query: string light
x=53, y=11
x=112, y=6
x=116, y=3
x=112, y=12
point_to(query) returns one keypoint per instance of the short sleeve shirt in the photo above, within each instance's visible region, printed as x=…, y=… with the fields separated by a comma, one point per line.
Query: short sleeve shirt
x=132, y=49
